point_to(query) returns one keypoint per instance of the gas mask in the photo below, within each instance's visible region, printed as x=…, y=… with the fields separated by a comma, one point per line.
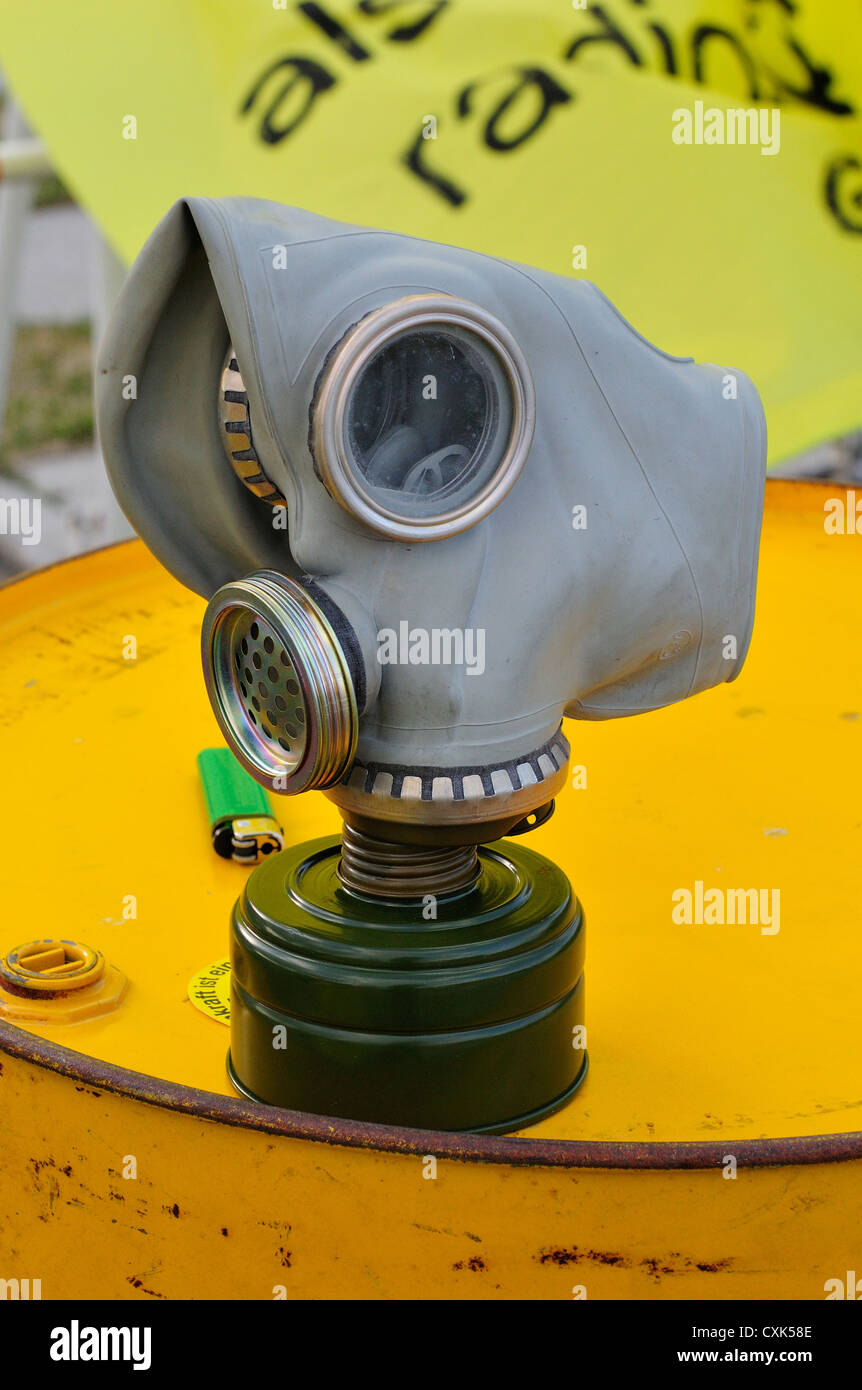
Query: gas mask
x=437, y=502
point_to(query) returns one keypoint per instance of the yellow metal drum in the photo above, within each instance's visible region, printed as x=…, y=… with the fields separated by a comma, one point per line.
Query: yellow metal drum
x=715, y=1150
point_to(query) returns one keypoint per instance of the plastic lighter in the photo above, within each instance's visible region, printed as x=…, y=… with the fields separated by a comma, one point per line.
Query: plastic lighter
x=241, y=820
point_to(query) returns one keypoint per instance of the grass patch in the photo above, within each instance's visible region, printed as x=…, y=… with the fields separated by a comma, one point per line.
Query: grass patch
x=51, y=191
x=51, y=390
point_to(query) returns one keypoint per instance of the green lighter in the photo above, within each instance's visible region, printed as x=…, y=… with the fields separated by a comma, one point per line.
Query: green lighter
x=240, y=815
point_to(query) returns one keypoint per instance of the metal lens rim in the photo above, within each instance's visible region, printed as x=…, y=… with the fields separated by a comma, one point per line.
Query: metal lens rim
x=362, y=343
x=332, y=720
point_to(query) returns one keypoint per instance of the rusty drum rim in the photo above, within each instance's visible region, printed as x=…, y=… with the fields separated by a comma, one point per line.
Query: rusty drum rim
x=473, y=1148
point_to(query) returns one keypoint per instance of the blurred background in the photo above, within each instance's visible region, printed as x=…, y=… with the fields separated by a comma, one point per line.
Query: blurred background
x=59, y=280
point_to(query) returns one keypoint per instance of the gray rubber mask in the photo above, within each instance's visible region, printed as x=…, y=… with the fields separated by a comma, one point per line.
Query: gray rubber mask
x=437, y=501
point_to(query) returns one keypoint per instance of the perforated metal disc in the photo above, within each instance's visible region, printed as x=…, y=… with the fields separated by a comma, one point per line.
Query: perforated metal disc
x=267, y=681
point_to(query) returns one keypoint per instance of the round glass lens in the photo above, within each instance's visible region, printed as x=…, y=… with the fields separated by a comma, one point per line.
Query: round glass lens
x=428, y=421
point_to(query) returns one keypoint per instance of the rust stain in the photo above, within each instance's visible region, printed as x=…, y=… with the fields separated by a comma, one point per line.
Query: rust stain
x=136, y=1284
x=558, y=1257
x=673, y=1263
x=475, y=1263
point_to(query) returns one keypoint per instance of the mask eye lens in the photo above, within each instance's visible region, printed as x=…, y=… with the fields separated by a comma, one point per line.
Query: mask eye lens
x=428, y=421
x=423, y=417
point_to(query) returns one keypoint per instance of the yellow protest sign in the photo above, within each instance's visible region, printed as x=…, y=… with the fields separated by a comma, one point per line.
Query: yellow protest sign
x=596, y=140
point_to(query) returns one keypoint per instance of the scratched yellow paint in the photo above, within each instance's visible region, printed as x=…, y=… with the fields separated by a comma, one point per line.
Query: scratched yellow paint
x=695, y=1032
x=216, y=1212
